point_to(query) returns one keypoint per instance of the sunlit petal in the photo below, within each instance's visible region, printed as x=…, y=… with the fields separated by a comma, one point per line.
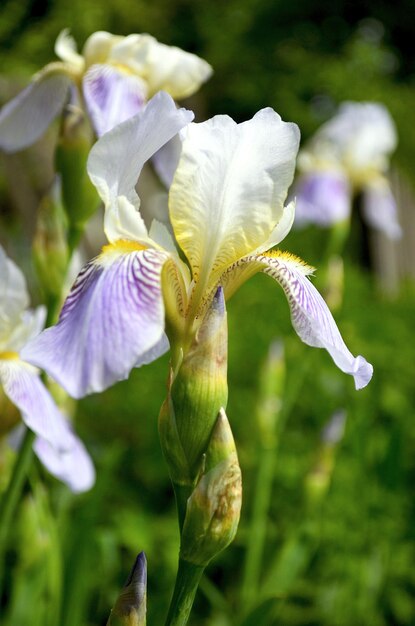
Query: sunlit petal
x=112, y=96
x=228, y=192
x=73, y=465
x=282, y=228
x=323, y=198
x=113, y=316
x=25, y=118
x=66, y=49
x=116, y=160
x=22, y=384
x=379, y=208
x=163, y=67
x=311, y=316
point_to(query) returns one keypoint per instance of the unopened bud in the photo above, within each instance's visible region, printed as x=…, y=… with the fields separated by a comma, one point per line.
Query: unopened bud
x=213, y=509
x=130, y=607
x=271, y=391
x=199, y=388
x=79, y=195
x=50, y=250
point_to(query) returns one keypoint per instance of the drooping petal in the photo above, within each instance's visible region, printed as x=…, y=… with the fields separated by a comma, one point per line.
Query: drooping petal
x=72, y=465
x=116, y=160
x=228, y=192
x=66, y=49
x=323, y=198
x=25, y=118
x=379, y=208
x=311, y=316
x=112, y=96
x=22, y=384
x=166, y=68
x=113, y=316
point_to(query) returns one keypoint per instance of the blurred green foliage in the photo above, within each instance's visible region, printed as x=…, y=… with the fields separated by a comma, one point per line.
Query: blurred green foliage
x=351, y=561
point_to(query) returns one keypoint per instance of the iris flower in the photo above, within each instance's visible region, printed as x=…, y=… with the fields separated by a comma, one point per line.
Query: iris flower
x=225, y=211
x=115, y=77
x=349, y=154
x=56, y=445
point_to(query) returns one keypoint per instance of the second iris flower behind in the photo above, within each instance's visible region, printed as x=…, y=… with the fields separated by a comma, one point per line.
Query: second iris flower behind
x=225, y=211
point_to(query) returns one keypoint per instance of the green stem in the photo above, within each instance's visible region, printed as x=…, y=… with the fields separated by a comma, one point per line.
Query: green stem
x=182, y=493
x=12, y=495
x=258, y=526
x=187, y=582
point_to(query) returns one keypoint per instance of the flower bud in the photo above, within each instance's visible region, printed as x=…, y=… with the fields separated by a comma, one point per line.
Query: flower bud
x=50, y=250
x=271, y=389
x=213, y=509
x=130, y=607
x=198, y=391
x=80, y=198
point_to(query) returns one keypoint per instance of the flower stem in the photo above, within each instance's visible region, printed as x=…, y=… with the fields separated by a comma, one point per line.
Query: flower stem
x=187, y=582
x=12, y=494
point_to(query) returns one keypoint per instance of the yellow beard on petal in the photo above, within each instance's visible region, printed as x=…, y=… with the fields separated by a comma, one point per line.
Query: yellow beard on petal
x=302, y=266
x=113, y=250
x=8, y=355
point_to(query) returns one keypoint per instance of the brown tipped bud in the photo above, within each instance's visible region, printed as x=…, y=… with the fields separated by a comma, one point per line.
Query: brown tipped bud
x=130, y=607
x=213, y=509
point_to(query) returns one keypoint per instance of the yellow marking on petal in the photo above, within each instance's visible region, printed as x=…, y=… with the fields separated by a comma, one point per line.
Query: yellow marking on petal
x=301, y=265
x=111, y=251
x=8, y=355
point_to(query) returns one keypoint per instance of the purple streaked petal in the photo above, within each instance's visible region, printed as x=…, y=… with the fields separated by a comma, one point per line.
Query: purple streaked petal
x=323, y=198
x=22, y=384
x=380, y=210
x=112, y=96
x=112, y=318
x=73, y=465
x=25, y=118
x=311, y=316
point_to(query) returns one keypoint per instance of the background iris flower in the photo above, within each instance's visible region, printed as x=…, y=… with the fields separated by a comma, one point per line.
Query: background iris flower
x=349, y=154
x=56, y=445
x=225, y=210
x=113, y=79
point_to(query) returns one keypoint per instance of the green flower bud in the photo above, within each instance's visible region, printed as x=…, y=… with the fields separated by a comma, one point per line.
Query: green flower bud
x=271, y=389
x=197, y=392
x=50, y=250
x=80, y=198
x=130, y=607
x=213, y=509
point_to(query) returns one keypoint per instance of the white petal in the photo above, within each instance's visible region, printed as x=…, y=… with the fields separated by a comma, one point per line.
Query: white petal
x=112, y=96
x=166, y=68
x=25, y=118
x=22, y=384
x=116, y=160
x=29, y=325
x=113, y=316
x=311, y=316
x=379, y=208
x=281, y=230
x=229, y=189
x=98, y=47
x=73, y=466
x=66, y=49
x=13, y=292
x=323, y=197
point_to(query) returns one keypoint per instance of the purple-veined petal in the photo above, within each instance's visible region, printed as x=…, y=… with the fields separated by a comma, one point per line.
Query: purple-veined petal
x=112, y=96
x=25, y=118
x=311, y=316
x=73, y=465
x=116, y=160
x=379, y=208
x=322, y=198
x=22, y=384
x=113, y=316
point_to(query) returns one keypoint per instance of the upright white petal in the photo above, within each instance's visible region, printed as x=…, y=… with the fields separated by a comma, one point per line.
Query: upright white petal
x=13, y=292
x=229, y=189
x=66, y=49
x=116, y=160
x=25, y=118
